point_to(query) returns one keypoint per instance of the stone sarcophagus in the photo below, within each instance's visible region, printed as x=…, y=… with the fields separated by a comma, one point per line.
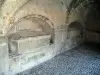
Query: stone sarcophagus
x=37, y=30
x=25, y=45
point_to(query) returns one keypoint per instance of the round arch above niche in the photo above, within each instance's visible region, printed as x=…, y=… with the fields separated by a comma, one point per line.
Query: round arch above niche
x=28, y=29
x=75, y=34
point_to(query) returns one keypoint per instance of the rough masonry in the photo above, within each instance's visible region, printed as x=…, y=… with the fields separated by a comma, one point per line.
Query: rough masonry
x=34, y=31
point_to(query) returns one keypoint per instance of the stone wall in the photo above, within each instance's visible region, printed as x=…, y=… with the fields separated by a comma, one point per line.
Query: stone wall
x=4, y=56
x=48, y=25
x=93, y=22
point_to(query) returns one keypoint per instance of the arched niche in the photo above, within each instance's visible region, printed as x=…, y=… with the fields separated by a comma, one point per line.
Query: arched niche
x=75, y=34
x=29, y=33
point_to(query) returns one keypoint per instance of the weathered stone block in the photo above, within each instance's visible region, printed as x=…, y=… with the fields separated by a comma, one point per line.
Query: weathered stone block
x=25, y=45
x=74, y=33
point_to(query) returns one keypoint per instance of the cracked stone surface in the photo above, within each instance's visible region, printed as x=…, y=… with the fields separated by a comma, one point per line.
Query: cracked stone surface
x=83, y=60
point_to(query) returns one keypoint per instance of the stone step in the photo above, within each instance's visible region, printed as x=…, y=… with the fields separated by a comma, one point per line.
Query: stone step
x=25, y=61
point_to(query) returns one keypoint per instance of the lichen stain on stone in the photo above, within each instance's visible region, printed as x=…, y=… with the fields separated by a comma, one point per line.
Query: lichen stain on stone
x=8, y=19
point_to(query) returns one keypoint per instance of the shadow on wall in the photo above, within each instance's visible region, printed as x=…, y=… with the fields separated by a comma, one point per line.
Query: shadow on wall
x=76, y=32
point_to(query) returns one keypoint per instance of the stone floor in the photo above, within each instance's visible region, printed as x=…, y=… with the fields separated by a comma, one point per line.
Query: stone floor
x=83, y=60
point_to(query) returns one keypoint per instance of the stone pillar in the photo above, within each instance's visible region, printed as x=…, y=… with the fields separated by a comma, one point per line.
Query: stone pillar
x=4, y=56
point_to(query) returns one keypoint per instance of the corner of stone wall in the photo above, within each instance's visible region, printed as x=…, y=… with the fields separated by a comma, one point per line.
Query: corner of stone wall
x=4, y=55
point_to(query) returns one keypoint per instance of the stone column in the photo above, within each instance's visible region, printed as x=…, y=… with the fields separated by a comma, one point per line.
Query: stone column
x=4, y=69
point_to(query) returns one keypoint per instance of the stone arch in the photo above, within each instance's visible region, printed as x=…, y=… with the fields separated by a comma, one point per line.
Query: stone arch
x=75, y=34
x=75, y=29
x=29, y=27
